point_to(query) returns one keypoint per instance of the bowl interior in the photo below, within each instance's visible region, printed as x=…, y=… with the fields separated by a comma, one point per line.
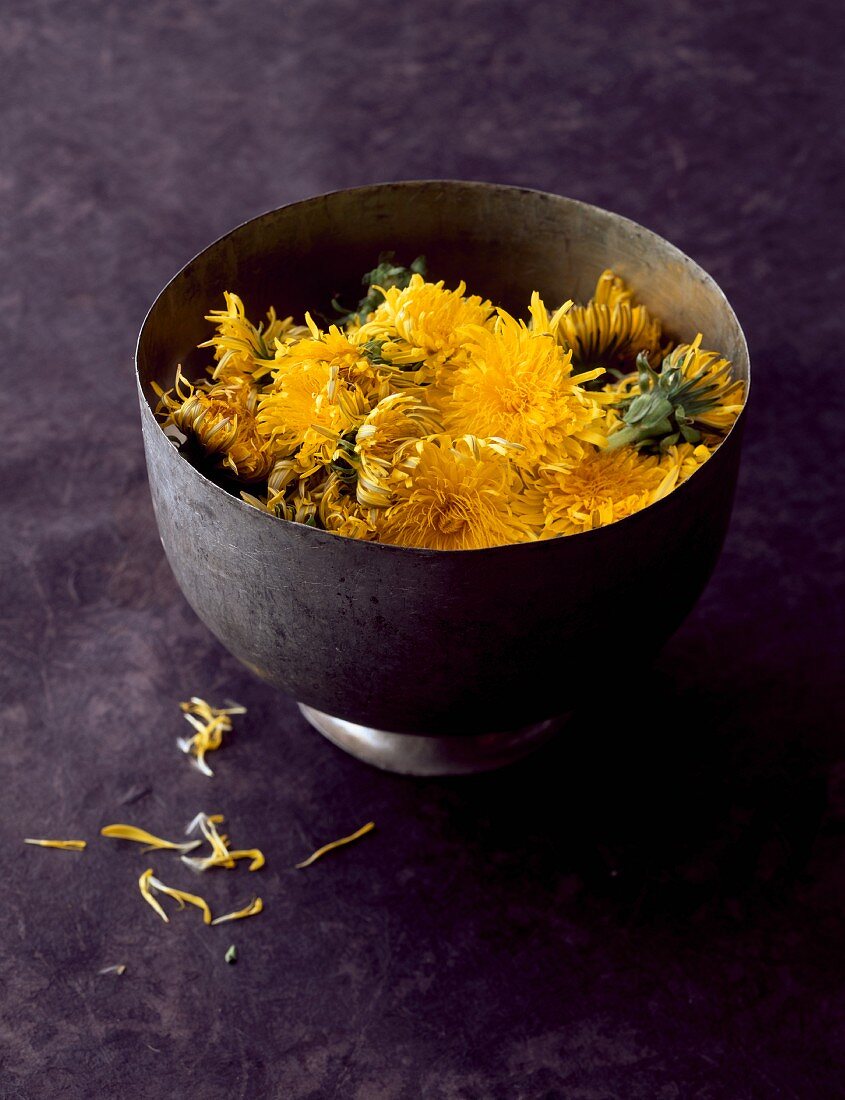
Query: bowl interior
x=504, y=242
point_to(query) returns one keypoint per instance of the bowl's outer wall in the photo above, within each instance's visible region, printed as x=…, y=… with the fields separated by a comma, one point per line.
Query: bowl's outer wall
x=414, y=640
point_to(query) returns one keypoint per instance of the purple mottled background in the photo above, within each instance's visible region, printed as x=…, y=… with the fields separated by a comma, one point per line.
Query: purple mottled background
x=651, y=908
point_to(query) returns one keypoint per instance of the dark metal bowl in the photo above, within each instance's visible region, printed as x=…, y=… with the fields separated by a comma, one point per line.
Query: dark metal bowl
x=455, y=643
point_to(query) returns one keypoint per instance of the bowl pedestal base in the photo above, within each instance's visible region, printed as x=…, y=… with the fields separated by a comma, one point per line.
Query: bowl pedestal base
x=411, y=754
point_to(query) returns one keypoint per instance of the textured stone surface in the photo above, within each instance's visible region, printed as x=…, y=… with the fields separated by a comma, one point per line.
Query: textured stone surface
x=650, y=908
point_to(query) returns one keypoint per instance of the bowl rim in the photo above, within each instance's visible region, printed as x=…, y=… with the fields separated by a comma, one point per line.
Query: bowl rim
x=422, y=551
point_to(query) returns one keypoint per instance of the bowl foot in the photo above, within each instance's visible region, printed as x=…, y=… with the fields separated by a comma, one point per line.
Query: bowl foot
x=410, y=754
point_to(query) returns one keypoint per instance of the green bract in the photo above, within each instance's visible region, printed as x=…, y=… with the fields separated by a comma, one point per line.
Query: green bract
x=384, y=275
x=669, y=404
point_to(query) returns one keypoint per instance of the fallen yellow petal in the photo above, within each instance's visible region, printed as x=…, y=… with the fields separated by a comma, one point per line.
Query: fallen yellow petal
x=183, y=897
x=197, y=822
x=197, y=863
x=209, y=831
x=255, y=906
x=63, y=845
x=146, y=893
x=141, y=836
x=210, y=724
x=207, y=824
x=149, y=883
x=337, y=844
x=220, y=854
x=254, y=854
x=203, y=863
x=199, y=706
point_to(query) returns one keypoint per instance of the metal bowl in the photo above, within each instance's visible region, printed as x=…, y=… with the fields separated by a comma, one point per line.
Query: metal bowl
x=428, y=661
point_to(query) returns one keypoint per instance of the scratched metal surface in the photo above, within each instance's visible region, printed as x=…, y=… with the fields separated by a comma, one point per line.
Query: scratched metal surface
x=650, y=908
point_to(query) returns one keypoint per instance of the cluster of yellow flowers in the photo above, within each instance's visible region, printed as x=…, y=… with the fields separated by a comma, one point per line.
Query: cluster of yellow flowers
x=430, y=418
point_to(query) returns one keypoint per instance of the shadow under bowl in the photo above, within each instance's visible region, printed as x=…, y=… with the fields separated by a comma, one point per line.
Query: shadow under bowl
x=417, y=660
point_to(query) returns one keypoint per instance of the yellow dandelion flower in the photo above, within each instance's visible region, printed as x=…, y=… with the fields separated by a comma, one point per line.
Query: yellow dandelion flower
x=297, y=400
x=316, y=398
x=322, y=446
x=242, y=349
x=299, y=502
x=342, y=514
x=396, y=421
x=284, y=473
x=302, y=494
x=610, y=330
x=709, y=374
x=693, y=389
x=221, y=418
x=453, y=495
x=611, y=290
x=421, y=325
x=517, y=385
x=350, y=367
x=352, y=521
x=303, y=501
x=605, y=486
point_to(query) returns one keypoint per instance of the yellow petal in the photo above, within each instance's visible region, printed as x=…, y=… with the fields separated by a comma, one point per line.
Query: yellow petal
x=199, y=760
x=666, y=485
x=250, y=910
x=337, y=844
x=64, y=845
x=141, y=836
x=210, y=724
x=181, y=896
x=203, y=863
x=220, y=854
x=254, y=854
x=559, y=314
x=207, y=824
x=146, y=893
x=218, y=844
x=586, y=376
x=196, y=822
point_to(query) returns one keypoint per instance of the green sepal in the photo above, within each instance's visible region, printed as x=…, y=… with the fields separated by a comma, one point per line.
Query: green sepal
x=385, y=275
x=667, y=406
x=372, y=349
